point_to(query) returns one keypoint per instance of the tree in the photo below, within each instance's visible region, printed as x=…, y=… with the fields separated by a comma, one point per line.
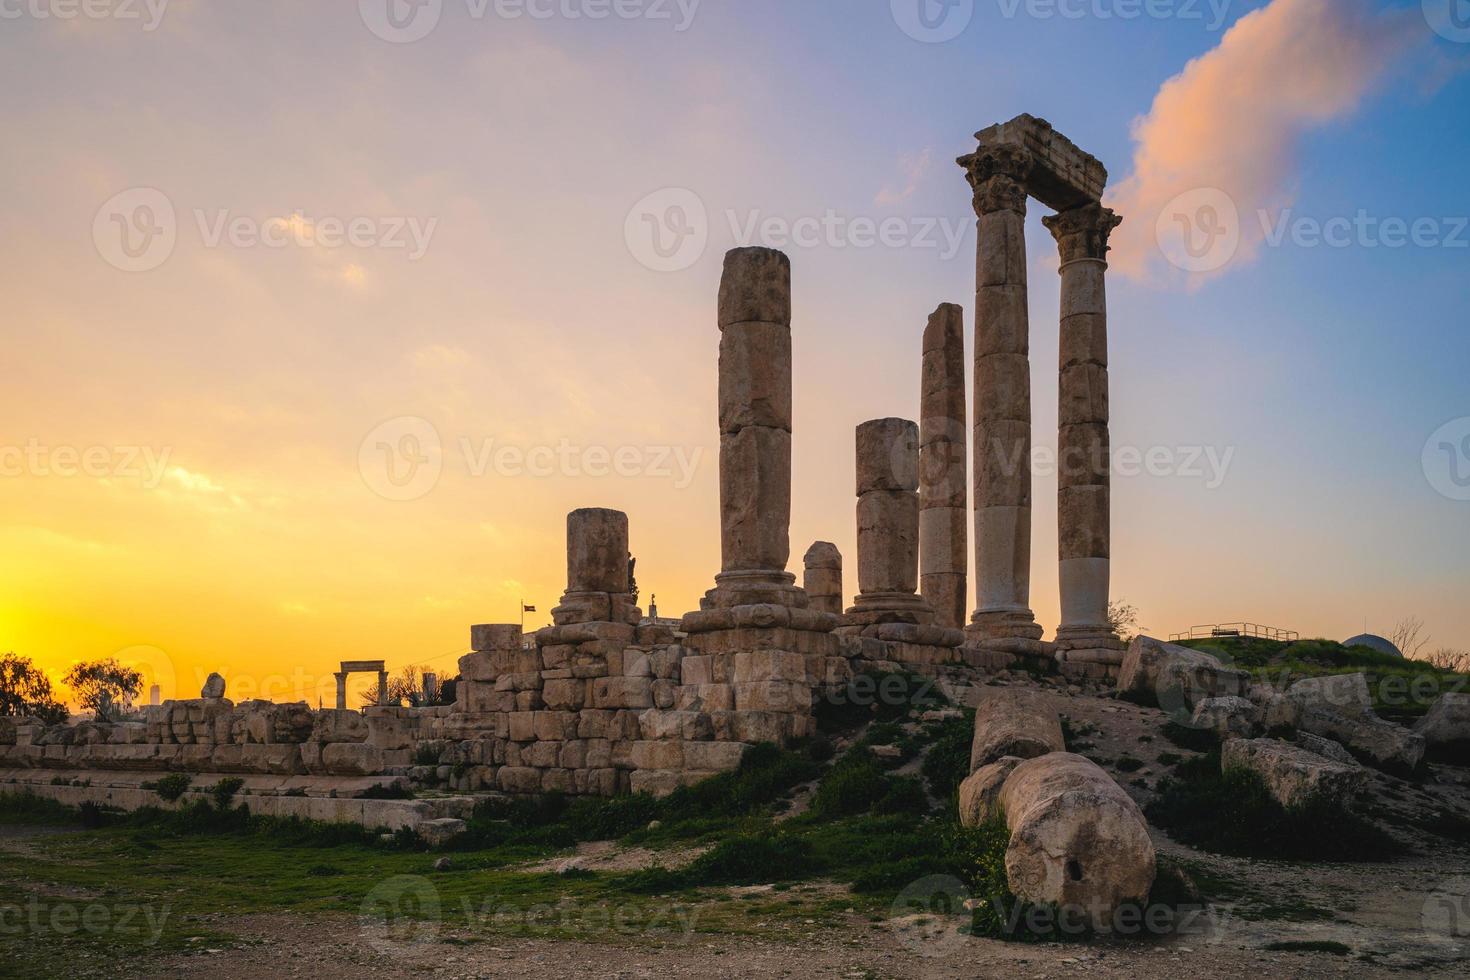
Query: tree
x=1409, y=636
x=103, y=686
x=1123, y=618
x=25, y=690
x=402, y=687
x=1448, y=658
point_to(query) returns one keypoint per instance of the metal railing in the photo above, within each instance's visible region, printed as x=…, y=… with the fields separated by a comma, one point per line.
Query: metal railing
x=1233, y=630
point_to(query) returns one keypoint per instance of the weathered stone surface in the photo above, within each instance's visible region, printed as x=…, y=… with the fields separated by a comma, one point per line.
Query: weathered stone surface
x=1326, y=748
x=755, y=287
x=980, y=792
x=1445, y=727
x=1345, y=694
x=1340, y=707
x=1056, y=171
x=1077, y=840
x=755, y=376
x=1293, y=775
x=1229, y=717
x=887, y=455
x=1014, y=722
x=490, y=637
x=755, y=498
x=214, y=687
x=597, y=551
x=1174, y=677
x=888, y=541
x=823, y=577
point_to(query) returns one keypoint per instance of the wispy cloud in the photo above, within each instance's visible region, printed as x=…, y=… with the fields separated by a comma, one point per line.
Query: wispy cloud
x=1232, y=120
x=912, y=169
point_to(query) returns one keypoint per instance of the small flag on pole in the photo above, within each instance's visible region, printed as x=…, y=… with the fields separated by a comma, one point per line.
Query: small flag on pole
x=526, y=608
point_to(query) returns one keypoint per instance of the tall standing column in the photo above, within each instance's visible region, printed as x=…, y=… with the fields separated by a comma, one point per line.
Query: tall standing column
x=755, y=431
x=943, y=475
x=888, y=525
x=998, y=174
x=1083, y=495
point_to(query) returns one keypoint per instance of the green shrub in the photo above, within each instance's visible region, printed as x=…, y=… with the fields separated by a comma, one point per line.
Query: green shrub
x=1233, y=813
x=905, y=795
x=948, y=762
x=169, y=788
x=1128, y=763
x=1193, y=739
x=223, y=792
x=852, y=786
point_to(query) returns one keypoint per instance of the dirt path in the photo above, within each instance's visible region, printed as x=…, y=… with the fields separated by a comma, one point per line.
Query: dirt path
x=326, y=948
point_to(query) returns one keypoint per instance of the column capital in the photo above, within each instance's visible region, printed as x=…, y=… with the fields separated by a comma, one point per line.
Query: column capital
x=1082, y=233
x=998, y=174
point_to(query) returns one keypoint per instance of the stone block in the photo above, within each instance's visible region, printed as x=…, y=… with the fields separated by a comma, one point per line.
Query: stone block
x=714, y=756
x=564, y=695
x=622, y=692
x=780, y=696
x=519, y=779
x=755, y=376
x=755, y=498
x=755, y=287
x=768, y=665
x=887, y=455
x=657, y=755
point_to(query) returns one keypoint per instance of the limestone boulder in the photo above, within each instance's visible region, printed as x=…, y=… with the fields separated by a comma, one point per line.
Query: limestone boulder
x=1326, y=748
x=980, y=792
x=1445, y=728
x=1293, y=775
x=1228, y=717
x=1014, y=722
x=214, y=687
x=1176, y=678
x=437, y=833
x=1077, y=840
x=1340, y=707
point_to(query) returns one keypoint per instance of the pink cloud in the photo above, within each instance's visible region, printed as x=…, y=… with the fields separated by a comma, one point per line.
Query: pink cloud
x=1231, y=122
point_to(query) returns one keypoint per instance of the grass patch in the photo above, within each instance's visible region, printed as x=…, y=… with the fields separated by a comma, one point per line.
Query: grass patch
x=1232, y=813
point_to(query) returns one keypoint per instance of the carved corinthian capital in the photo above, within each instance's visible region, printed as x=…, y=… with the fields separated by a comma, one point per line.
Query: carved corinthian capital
x=1082, y=233
x=998, y=175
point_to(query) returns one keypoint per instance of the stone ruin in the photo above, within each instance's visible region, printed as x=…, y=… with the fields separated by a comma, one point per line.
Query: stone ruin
x=599, y=704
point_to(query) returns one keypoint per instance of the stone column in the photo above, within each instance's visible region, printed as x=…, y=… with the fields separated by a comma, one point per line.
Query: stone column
x=1083, y=494
x=943, y=540
x=1002, y=429
x=382, y=687
x=597, y=568
x=823, y=578
x=755, y=431
x=888, y=525
x=341, y=691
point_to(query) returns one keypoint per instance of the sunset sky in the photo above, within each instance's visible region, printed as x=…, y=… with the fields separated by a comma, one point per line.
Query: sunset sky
x=378, y=244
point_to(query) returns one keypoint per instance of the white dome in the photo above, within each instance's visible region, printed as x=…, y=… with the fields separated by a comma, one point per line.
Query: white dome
x=1373, y=642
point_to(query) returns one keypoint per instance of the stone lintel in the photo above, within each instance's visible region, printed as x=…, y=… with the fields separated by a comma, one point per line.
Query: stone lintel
x=1062, y=175
x=363, y=666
